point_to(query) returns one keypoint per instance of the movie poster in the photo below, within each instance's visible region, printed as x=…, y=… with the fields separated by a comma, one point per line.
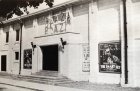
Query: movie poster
x=110, y=57
x=28, y=59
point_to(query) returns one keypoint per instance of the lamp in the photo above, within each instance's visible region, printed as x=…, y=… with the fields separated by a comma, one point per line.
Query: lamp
x=33, y=45
x=63, y=42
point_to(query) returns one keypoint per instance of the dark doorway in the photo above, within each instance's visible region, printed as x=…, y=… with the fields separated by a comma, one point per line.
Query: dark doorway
x=50, y=57
x=3, y=63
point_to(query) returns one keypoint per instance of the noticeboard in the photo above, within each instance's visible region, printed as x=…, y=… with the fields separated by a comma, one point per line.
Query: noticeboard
x=110, y=57
x=86, y=61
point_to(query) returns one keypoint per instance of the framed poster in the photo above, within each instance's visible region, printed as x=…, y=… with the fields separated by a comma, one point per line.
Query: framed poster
x=27, y=59
x=110, y=57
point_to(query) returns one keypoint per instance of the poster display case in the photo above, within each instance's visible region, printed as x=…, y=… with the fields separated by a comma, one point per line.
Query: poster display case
x=27, y=59
x=110, y=57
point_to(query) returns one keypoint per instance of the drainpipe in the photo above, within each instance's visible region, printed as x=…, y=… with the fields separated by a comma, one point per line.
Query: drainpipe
x=21, y=24
x=125, y=41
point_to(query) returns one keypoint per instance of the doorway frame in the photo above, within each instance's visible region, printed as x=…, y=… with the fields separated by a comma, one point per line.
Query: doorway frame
x=5, y=64
x=57, y=52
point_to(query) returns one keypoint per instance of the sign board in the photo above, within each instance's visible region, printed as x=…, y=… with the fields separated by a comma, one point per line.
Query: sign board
x=86, y=61
x=110, y=57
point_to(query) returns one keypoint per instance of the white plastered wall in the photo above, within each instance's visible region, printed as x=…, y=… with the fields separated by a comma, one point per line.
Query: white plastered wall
x=134, y=42
x=4, y=50
x=104, y=27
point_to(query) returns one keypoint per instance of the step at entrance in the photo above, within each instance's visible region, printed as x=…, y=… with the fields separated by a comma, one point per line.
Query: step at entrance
x=48, y=77
x=47, y=73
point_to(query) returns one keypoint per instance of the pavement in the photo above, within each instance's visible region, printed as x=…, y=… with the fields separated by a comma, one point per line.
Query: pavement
x=36, y=83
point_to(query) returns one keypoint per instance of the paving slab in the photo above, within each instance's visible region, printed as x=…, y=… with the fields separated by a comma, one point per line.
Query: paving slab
x=44, y=85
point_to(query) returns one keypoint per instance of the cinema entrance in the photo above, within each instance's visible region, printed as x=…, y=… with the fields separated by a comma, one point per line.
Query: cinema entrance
x=50, y=57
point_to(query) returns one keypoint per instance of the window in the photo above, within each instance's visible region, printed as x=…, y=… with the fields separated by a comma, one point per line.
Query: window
x=3, y=62
x=17, y=35
x=7, y=37
x=16, y=55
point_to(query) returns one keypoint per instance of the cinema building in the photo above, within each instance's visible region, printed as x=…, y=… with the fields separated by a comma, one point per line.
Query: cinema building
x=85, y=40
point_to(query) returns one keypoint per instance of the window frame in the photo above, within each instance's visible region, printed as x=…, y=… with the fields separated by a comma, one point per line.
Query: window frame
x=17, y=34
x=16, y=55
x=7, y=36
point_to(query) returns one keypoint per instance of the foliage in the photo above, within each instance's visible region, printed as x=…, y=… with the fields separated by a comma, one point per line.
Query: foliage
x=10, y=7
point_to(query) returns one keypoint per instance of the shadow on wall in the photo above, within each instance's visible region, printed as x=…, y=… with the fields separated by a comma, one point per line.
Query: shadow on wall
x=4, y=89
x=134, y=1
x=80, y=10
x=6, y=28
x=105, y=4
x=28, y=23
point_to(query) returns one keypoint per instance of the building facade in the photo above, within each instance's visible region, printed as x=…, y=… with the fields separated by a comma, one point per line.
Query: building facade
x=82, y=40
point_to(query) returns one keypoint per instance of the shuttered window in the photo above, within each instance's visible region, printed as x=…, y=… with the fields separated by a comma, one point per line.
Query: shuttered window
x=7, y=37
x=17, y=35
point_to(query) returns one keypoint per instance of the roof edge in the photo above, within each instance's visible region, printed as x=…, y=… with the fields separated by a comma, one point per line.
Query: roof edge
x=45, y=10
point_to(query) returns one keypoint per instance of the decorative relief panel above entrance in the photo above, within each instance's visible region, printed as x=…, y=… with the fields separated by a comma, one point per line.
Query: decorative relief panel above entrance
x=55, y=24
